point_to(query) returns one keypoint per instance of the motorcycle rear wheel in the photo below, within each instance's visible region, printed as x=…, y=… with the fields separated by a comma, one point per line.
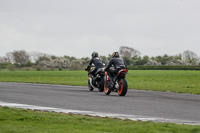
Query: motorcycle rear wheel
x=101, y=88
x=123, y=87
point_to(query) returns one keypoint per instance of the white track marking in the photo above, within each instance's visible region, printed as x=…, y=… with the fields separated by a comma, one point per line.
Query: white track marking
x=99, y=114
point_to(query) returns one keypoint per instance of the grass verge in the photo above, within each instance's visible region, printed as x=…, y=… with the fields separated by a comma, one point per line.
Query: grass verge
x=158, y=80
x=23, y=121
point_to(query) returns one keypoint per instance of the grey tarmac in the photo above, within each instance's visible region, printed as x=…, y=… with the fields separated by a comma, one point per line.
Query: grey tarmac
x=136, y=105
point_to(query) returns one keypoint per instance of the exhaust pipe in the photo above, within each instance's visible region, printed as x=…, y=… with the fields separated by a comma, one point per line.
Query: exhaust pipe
x=91, y=83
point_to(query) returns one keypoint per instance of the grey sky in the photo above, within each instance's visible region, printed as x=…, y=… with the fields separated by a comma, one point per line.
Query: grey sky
x=79, y=27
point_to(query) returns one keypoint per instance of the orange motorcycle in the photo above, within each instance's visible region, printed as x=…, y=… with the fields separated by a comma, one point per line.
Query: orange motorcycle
x=119, y=84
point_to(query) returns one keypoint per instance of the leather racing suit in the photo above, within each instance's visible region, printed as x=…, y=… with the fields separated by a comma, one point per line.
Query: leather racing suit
x=118, y=64
x=97, y=64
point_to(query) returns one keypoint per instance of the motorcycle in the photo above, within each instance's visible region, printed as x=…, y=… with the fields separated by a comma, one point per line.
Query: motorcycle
x=96, y=80
x=119, y=85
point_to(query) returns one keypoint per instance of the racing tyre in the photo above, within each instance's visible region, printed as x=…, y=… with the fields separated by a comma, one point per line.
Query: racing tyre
x=107, y=91
x=101, y=88
x=123, y=87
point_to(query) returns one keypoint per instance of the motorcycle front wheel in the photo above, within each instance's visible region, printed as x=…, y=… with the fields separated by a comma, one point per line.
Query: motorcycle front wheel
x=107, y=91
x=123, y=87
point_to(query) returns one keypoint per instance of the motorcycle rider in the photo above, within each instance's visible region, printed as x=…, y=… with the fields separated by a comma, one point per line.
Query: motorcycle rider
x=118, y=64
x=97, y=63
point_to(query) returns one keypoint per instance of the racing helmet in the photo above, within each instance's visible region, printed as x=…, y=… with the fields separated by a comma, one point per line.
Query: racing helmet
x=115, y=54
x=95, y=54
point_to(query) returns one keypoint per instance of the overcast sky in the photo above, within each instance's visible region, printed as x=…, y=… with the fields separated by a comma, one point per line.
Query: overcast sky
x=79, y=27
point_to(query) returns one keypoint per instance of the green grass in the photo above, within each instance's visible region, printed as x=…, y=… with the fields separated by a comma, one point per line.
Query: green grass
x=158, y=80
x=165, y=80
x=76, y=78
x=27, y=121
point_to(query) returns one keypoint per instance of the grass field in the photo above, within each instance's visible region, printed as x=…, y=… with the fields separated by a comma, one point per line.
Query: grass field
x=27, y=121
x=165, y=80
x=23, y=121
x=158, y=80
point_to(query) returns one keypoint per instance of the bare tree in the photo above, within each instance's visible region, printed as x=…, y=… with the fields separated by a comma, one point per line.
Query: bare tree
x=189, y=55
x=128, y=52
x=3, y=60
x=21, y=57
x=36, y=56
x=9, y=57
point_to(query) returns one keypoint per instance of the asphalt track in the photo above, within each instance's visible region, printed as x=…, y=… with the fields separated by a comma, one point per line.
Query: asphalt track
x=136, y=105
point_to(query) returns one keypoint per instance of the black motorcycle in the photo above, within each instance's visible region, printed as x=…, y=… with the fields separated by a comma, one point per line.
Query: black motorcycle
x=119, y=84
x=96, y=80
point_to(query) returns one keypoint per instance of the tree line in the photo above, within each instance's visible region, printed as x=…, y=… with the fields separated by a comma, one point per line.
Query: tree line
x=132, y=57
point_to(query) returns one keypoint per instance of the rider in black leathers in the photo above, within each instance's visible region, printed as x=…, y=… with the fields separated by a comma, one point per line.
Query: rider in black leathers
x=97, y=63
x=118, y=64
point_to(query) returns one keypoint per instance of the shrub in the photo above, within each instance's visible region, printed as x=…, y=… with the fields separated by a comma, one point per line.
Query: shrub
x=4, y=65
x=38, y=68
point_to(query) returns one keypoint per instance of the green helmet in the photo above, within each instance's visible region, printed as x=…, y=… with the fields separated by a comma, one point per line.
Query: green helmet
x=95, y=54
